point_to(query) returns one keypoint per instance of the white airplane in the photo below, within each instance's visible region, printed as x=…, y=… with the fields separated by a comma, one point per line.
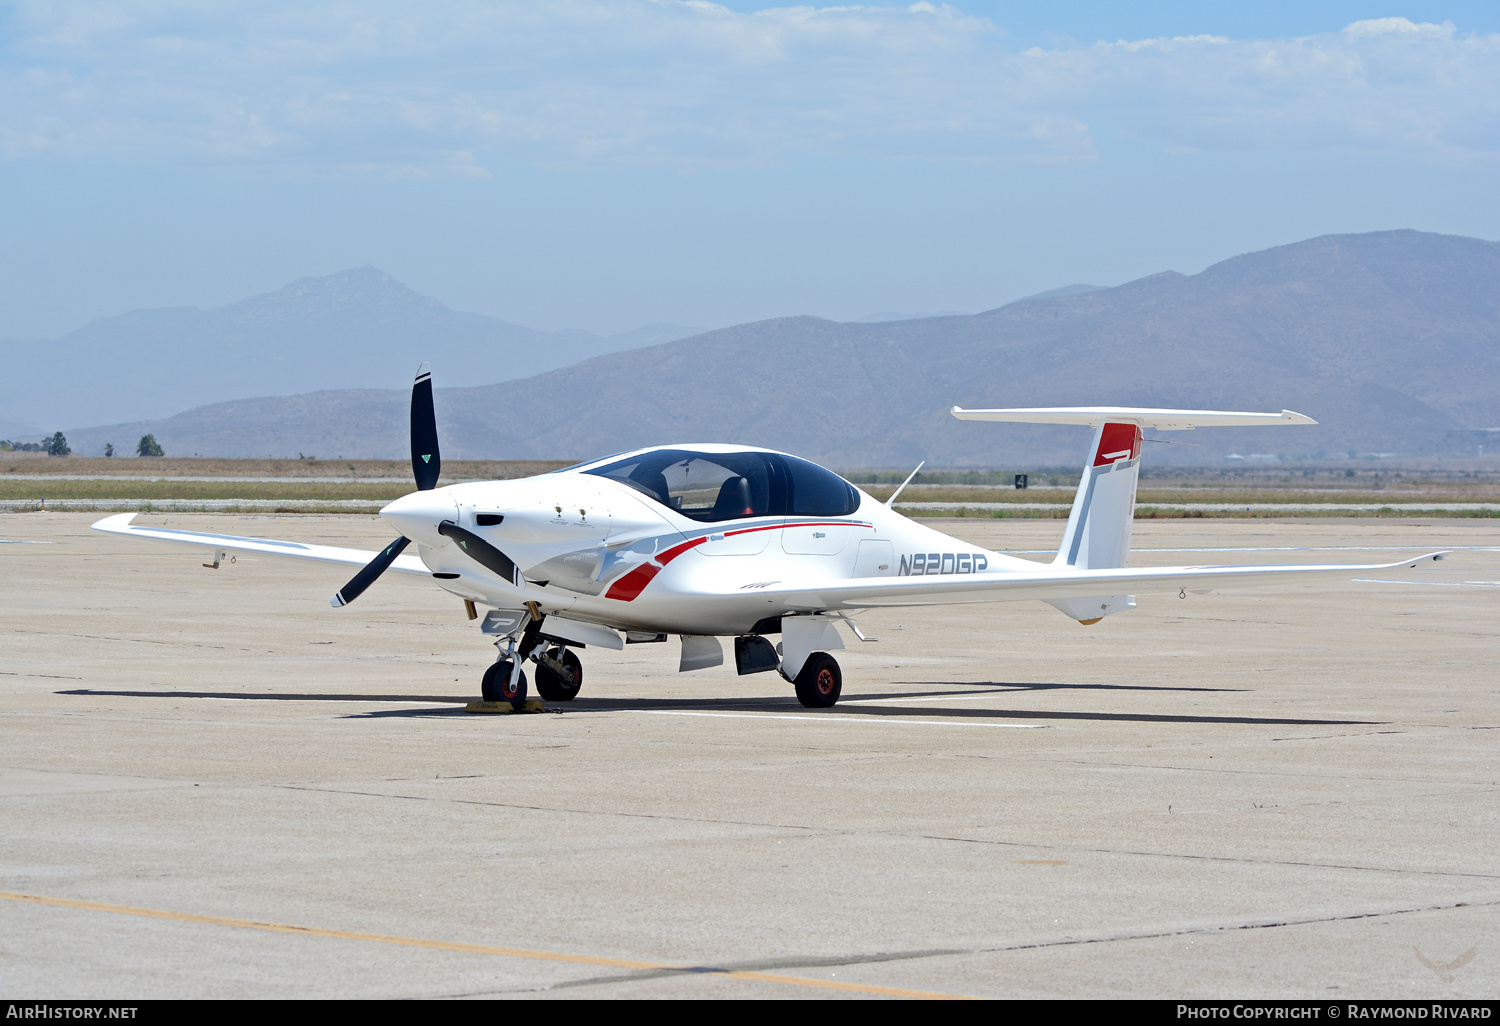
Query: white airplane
x=713, y=541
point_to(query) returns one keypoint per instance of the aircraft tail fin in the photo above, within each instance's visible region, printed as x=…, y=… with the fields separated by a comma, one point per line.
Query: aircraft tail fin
x=1098, y=532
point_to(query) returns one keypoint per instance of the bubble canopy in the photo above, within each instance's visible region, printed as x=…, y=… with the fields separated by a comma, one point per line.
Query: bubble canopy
x=715, y=486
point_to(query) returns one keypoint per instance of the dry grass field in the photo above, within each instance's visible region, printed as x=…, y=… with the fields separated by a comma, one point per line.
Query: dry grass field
x=353, y=484
x=31, y=463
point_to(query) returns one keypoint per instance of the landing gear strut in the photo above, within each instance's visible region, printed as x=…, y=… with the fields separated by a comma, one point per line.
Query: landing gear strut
x=820, y=682
x=559, y=674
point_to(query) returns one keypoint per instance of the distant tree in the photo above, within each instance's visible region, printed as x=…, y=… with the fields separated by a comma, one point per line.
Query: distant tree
x=148, y=446
x=109, y=448
x=57, y=445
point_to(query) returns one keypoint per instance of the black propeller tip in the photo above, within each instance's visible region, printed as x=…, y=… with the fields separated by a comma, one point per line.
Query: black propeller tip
x=366, y=577
x=426, y=460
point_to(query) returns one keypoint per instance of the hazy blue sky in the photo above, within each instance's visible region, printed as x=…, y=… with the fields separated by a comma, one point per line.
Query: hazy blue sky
x=609, y=164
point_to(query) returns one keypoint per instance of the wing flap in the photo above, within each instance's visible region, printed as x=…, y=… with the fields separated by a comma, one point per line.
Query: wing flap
x=120, y=523
x=1054, y=584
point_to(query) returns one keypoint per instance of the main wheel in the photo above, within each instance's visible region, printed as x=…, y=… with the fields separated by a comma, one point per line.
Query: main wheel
x=557, y=686
x=495, y=686
x=819, y=683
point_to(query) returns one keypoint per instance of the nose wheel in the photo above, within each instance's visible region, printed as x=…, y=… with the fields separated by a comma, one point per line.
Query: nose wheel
x=820, y=681
x=504, y=681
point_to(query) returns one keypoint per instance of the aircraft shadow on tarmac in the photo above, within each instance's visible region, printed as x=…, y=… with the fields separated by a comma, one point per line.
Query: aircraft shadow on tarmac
x=850, y=706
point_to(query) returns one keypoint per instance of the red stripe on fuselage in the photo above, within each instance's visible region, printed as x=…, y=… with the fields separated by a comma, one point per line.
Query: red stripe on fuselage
x=627, y=588
x=633, y=583
x=810, y=523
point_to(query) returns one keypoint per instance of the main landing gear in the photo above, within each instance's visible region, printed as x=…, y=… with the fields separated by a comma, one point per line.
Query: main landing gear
x=820, y=682
x=559, y=672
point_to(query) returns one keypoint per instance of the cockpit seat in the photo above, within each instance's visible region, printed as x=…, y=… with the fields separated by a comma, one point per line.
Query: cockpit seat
x=653, y=483
x=734, y=500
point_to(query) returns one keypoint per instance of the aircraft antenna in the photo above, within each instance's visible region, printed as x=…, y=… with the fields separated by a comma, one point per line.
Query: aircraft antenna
x=890, y=503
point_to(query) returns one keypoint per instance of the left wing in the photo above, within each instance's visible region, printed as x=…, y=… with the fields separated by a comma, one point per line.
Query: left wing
x=1048, y=583
x=120, y=524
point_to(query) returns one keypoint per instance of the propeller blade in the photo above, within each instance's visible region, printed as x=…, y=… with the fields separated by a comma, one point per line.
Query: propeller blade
x=426, y=462
x=482, y=552
x=366, y=577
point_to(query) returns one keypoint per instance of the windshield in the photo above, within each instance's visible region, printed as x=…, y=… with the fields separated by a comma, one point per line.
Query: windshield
x=585, y=463
x=711, y=487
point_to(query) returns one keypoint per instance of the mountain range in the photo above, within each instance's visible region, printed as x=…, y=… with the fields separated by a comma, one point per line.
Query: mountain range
x=1391, y=340
x=352, y=329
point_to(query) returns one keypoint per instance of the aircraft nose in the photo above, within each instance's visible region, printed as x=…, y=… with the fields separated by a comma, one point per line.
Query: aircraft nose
x=418, y=514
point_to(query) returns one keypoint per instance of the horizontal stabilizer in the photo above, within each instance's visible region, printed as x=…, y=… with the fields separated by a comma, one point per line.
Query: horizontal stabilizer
x=1162, y=420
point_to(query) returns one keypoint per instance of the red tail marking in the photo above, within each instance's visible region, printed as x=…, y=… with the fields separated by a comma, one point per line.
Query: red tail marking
x=1118, y=442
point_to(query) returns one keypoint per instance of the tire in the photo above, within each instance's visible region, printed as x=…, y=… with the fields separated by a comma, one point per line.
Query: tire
x=554, y=687
x=497, y=679
x=820, y=682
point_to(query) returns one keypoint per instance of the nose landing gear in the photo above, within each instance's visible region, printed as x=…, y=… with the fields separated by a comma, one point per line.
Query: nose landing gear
x=504, y=681
x=517, y=634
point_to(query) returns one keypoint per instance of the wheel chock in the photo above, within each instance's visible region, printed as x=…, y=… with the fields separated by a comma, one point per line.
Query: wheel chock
x=531, y=705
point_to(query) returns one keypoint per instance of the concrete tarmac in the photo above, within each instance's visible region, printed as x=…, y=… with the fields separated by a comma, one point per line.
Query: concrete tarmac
x=214, y=785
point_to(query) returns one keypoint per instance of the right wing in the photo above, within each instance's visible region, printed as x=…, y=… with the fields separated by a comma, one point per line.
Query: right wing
x=120, y=524
x=1046, y=583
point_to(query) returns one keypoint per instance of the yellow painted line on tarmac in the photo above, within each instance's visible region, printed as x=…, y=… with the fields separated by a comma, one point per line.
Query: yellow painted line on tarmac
x=479, y=949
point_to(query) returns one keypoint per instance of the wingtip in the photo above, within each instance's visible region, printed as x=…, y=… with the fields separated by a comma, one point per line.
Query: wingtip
x=113, y=522
x=1293, y=417
x=1429, y=557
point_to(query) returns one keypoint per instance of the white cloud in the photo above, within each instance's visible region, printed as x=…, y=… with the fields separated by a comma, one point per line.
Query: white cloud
x=441, y=88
